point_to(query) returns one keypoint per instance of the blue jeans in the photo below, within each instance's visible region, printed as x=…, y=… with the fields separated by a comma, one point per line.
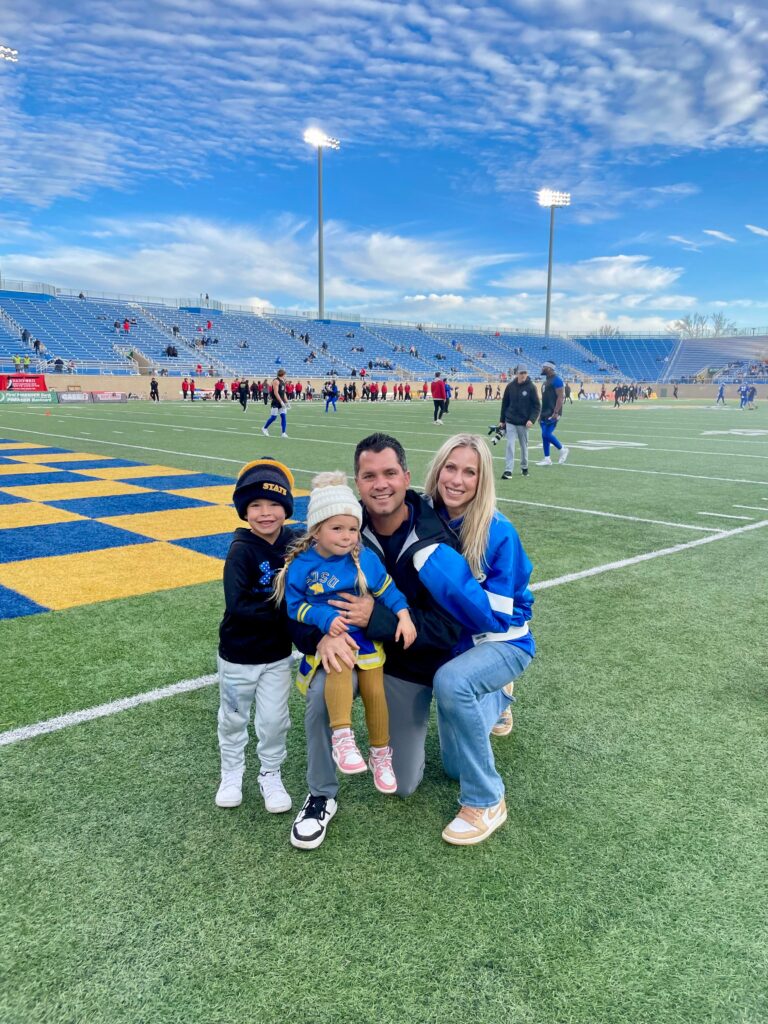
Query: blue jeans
x=548, y=438
x=469, y=696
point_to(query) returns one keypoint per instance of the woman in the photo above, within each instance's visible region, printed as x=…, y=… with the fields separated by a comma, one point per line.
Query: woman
x=279, y=404
x=488, y=594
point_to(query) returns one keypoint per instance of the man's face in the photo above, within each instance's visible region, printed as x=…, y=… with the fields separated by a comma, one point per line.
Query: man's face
x=522, y=377
x=381, y=482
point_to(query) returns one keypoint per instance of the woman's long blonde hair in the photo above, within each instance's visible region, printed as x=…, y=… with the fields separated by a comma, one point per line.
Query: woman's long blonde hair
x=476, y=522
x=306, y=540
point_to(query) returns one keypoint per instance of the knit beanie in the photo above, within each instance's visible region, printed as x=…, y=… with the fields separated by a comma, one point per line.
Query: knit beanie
x=264, y=478
x=332, y=496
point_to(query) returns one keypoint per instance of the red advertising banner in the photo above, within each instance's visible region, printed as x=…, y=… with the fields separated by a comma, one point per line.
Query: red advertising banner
x=22, y=382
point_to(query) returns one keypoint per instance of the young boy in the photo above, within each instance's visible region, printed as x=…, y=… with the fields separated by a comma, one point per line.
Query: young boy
x=254, y=656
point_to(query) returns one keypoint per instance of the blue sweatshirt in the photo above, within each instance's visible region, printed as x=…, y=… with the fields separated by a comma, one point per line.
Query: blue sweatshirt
x=311, y=581
x=495, y=608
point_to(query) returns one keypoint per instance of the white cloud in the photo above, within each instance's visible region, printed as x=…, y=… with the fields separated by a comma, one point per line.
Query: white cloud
x=134, y=89
x=611, y=272
x=757, y=230
x=719, y=234
x=686, y=243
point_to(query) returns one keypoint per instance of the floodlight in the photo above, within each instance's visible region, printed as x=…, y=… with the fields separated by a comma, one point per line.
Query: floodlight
x=316, y=137
x=549, y=197
x=7, y=53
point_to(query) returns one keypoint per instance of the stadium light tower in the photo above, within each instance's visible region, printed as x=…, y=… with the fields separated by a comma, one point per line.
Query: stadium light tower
x=548, y=197
x=318, y=139
x=6, y=53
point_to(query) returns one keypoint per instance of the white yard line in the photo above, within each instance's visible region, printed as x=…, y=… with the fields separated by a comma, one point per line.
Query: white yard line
x=115, y=707
x=649, y=556
x=647, y=472
x=28, y=732
x=611, y=515
x=723, y=515
x=755, y=508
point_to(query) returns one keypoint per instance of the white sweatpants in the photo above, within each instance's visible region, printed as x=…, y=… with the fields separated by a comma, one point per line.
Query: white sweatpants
x=267, y=687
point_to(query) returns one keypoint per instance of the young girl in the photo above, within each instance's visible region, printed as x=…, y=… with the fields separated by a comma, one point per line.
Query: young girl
x=327, y=561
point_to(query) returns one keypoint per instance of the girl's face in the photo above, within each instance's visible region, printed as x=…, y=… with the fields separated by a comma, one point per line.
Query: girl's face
x=337, y=535
x=457, y=482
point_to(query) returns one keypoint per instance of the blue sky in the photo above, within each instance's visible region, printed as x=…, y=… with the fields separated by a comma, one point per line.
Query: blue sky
x=156, y=149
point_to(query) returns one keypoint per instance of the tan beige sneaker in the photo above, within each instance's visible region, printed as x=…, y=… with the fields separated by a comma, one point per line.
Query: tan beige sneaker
x=474, y=824
x=505, y=722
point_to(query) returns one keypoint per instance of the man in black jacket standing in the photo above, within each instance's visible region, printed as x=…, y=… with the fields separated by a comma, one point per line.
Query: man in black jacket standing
x=520, y=408
x=398, y=524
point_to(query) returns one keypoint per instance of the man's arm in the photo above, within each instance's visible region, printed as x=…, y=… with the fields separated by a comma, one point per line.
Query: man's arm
x=504, y=406
x=560, y=392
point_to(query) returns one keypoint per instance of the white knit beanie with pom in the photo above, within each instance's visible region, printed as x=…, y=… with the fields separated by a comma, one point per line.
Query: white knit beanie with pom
x=332, y=496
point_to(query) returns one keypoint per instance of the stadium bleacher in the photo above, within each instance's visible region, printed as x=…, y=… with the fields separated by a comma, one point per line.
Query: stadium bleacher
x=254, y=343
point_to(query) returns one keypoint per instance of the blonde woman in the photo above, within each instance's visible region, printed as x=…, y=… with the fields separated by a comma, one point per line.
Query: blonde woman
x=489, y=596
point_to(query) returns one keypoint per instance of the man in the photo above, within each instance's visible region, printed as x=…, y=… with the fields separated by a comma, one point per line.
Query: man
x=243, y=391
x=184, y=389
x=568, y=393
x=400, y=526
x=720, y=400
x=437, y=389
x=552, y=397
x=448, y=396
x=154, y=390
x=520, y=409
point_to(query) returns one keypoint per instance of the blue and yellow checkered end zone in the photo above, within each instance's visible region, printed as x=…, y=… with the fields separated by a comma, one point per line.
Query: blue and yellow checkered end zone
x=77, y=528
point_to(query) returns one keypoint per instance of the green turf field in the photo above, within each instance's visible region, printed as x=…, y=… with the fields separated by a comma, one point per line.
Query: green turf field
x=628, y=886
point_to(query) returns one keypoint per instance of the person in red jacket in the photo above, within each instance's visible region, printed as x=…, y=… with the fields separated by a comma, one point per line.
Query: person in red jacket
x=234, y=387
x=424, y=391
x=298, y=390
x=384, y=392
x=437, y=388
x=407, y=390
x=470, y=392
x=218, y=388
x=192, y=387
x=184, y=388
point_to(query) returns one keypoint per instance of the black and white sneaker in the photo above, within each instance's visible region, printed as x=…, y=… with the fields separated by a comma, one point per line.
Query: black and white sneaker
x=506, y=475
x=525, y=471
x=311, y=823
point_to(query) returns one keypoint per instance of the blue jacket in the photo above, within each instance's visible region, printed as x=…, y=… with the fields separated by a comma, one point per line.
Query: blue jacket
x=312, y=580
x=494, y=608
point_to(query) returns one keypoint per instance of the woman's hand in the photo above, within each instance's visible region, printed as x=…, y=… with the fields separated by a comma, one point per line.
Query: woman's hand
x=355, y=611
x=336, y=651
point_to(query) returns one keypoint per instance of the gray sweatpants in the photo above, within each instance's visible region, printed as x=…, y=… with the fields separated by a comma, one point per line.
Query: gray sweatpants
x=519, y=431
x=408, y=705
x=267, y=687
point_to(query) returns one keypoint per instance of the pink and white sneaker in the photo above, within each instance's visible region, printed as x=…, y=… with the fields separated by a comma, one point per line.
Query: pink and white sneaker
x=345, y=752
x=380, y=763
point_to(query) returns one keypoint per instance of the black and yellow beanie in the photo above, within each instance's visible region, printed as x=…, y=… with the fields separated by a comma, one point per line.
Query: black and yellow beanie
x=263, y=478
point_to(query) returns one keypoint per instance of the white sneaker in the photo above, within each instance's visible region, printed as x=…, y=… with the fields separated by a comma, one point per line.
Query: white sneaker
x=545, y=462
x=283, y=435
x=473, y=825
x=312, y=822
x=230, y=792
x=265, y=432
x=563, y=455
x=276, y=797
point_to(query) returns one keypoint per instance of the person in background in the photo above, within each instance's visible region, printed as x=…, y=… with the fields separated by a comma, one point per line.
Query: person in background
x=520, y=408
x=552, y=396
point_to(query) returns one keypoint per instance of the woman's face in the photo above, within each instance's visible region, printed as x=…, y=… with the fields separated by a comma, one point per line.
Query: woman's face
x=457, y=482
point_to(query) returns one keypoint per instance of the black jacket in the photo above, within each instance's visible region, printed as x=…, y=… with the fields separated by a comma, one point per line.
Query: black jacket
x=254, y=631
x=520, y=403
x=438, y=632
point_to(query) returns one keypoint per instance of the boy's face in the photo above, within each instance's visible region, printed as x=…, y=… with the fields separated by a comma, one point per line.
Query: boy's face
x=266, y=518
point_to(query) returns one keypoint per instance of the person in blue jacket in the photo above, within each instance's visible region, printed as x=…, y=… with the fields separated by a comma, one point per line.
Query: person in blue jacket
x=487, y=592
x=325, y=562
